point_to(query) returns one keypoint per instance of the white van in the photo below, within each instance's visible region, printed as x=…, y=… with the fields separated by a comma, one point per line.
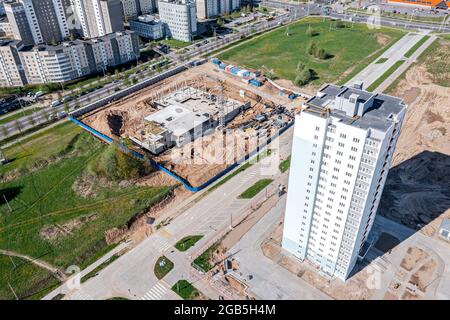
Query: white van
x=55, y=103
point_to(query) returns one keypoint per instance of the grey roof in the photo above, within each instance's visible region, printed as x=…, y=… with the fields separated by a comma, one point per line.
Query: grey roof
x=377, y=116
x=445, y=224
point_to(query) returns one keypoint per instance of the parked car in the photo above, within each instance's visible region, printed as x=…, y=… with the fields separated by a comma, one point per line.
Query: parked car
x=55, y=103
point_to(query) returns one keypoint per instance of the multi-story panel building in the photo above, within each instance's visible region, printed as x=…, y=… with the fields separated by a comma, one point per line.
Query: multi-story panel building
x=179, y=18
x=18, y=21
x=5, y=28
x=61, y=63
x=98, y=17
x=212, y=8
x=38, y=21
x=147, y=6
x=130, y=8
x=11, y=71
x=69, y=60
x=344, y=140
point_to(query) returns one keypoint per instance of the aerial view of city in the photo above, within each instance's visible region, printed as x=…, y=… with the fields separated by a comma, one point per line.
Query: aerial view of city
x=224, y=150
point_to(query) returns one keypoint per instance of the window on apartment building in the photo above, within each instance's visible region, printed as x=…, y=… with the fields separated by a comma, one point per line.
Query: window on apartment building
x=340, y=144
x=355, y=140
x=342, y=135
x=317, y=128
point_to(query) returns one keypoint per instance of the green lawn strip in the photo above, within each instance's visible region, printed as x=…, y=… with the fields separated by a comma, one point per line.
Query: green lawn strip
x=187, y=242
x=381, y=60
x=117, y=298
x=186, y=290
x=18, y=115
x=275, y=50
x=176, y=44
x=162, y=267
x=385, y=75
x=255, y=189
x=99, y=268
x=416, y=46
x=285, y=164
x=203, y=261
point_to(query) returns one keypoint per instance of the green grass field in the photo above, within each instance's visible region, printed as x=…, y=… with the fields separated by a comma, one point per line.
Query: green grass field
x=347, y=46
x=41, y=194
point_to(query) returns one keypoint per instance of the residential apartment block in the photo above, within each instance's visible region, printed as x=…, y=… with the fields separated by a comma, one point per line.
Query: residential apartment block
x=38, y=21
x=135, y=8
x=179, y=18
x=98, y=17
x=344, y=140
x=212, y=8
x=21, y=64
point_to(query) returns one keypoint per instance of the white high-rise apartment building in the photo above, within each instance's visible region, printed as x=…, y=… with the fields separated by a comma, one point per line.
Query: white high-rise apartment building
x=98, y=17
x=212, y=8
x=179, y=18
x=344, y=140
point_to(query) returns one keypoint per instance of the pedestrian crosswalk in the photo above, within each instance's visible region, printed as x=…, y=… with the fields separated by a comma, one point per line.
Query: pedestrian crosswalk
x=161, y=244
x=155, y=293
x=79, y=295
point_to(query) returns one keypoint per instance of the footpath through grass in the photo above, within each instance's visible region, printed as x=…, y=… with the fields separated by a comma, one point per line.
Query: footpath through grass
x=347, y=46
x=46, y=217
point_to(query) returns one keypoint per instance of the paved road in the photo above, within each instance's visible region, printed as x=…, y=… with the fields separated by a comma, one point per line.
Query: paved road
x=409, y=61
x=268, y=279
x=395, y=53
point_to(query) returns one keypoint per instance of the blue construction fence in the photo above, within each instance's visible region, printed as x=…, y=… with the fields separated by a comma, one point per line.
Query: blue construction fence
x=183, y=181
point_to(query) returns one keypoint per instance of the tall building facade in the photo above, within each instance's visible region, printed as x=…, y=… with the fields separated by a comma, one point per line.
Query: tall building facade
x=179, y=18
x=134, y=8
x=98, y=17
x=213, y=8
x=38, y=21
x=130, y=8
x=344, y=140
x=11, y=71
x=147, y=6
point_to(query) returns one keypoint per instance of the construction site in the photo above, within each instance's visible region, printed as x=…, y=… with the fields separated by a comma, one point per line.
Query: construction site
x=199, y=122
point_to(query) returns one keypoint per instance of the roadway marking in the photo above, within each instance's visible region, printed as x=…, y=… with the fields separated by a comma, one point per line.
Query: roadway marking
x=164, y=233
x=156, y=292
x=161, y=244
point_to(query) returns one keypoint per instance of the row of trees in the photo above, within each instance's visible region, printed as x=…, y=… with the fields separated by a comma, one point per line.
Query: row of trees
x=317, y=52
